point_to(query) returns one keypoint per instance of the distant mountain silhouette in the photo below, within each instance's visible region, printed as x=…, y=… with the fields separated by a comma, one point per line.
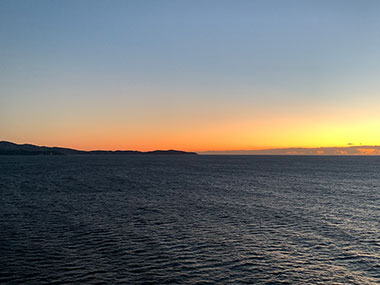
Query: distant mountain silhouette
x=9, y=148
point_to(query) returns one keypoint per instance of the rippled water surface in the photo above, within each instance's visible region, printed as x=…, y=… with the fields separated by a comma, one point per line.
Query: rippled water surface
x=189, y=219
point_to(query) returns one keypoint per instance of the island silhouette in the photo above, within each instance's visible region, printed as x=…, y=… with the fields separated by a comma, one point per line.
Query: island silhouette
x=9, y=148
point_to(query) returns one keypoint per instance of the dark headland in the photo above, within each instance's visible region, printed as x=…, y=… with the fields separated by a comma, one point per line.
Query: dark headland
x=9, y=148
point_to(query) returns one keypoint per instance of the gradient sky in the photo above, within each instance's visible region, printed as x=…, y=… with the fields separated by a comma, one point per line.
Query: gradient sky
x=191, y=75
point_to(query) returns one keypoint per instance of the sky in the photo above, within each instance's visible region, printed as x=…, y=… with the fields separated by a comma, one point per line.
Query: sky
x=191, y=75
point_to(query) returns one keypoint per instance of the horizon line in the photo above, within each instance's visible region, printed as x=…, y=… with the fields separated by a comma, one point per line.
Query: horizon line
x=325, y=150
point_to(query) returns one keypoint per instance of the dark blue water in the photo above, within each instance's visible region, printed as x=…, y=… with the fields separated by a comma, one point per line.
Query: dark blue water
x=189, y=219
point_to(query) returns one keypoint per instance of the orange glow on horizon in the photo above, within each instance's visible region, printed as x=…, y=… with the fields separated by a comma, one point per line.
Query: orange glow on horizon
x=223, y=131
x=246, y=135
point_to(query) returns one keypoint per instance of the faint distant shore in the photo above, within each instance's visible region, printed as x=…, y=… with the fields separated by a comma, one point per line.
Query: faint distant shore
x=9, y=148
x=345, y=150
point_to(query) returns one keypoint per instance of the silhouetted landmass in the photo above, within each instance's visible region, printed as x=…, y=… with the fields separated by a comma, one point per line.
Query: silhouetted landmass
x=9, y=148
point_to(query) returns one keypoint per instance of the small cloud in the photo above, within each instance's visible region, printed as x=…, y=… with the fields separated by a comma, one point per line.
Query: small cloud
x=350, y=144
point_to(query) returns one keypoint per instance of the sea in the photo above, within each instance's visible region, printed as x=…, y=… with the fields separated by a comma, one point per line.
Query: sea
x=189, y=219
